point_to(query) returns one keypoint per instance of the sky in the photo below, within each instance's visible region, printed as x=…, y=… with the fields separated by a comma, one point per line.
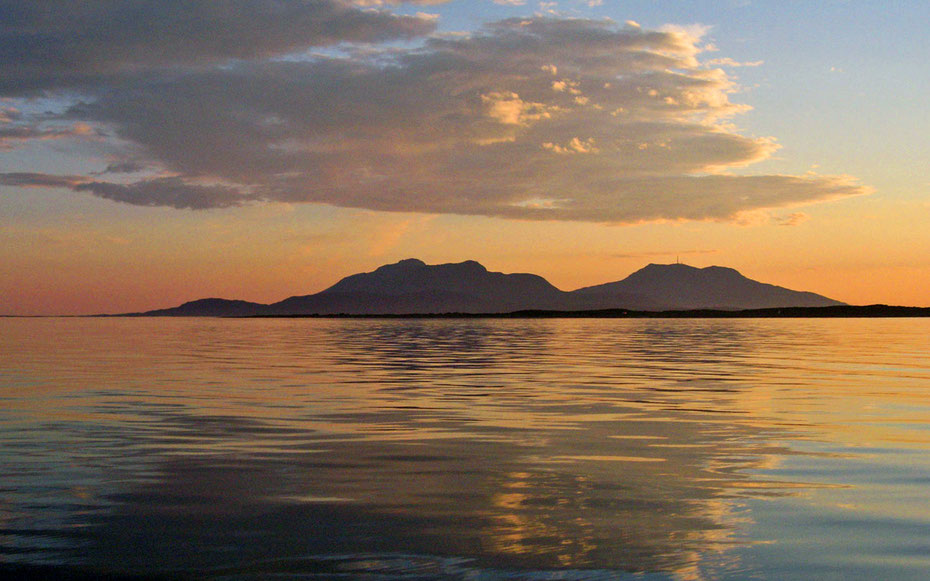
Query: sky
x=153, y=153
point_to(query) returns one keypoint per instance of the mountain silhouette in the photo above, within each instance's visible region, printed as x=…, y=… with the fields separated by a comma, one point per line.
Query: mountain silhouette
x=211, y=308
x=683, y=287
x=414, y=287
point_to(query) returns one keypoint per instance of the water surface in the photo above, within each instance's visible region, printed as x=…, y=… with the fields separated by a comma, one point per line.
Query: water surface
x=467, y=449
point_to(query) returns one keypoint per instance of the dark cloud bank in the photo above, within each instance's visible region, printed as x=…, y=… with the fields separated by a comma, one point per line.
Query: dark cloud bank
x=539, y=118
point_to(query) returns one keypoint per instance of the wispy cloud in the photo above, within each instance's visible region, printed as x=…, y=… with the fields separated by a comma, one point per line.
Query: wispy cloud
x=793, y=219
x=15, y=136
x=171, y=192
x=618, y=123
x=728, y=62
x=16, y=132
x=40, y=180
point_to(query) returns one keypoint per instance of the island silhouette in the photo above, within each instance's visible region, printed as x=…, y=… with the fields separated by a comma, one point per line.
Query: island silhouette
x=413, y=288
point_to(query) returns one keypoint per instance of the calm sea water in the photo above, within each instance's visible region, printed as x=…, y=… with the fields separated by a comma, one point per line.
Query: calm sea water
x=466, y=449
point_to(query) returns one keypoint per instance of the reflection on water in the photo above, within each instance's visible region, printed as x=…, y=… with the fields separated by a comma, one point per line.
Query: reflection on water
x=421, y=449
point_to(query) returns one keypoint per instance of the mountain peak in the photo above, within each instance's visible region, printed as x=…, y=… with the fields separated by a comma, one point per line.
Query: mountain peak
x=411, y=262
x=471, y=265
x=468, y=278
x=674, y=265
x=680, y=286
x=405, y=264
x=686, y=270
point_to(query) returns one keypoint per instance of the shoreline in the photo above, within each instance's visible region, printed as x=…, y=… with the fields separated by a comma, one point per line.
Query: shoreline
x=850, y=312
x=831, y=312
x=842, y=311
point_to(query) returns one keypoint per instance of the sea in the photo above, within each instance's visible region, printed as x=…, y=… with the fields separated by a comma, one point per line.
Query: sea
x=467, y=449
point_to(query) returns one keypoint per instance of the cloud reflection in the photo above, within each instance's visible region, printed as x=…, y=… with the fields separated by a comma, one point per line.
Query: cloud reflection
x=525, y=446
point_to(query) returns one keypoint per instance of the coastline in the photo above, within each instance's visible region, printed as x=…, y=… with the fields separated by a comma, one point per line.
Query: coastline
x=844, y=311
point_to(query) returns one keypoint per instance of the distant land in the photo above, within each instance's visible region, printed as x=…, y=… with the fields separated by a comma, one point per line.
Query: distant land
x=413, y=288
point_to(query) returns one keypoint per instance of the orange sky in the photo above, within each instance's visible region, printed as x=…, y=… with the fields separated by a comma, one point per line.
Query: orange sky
x=268, y=253
x=575, y=141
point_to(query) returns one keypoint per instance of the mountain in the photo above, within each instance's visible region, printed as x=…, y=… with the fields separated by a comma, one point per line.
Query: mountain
x=683, y=287
x=413, y=287
x=208, y=308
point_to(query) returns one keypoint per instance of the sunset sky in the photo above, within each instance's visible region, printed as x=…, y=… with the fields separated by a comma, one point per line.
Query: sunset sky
x=153, y=153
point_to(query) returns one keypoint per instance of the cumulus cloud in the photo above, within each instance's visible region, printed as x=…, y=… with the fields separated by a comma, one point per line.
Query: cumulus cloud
x=539, y=118
x=395, y=2
x=576, y=145
x=57, y=44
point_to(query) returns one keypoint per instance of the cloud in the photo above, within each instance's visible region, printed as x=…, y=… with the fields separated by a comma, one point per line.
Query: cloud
x=9, y=114
x=368, y=3
x=793, y=219
x=16, y=136
x=58, y=44
x=728, y=62
x=171, y=192
x=40, y=180
x=576, y=145
x=128, y=166
x=539, y=118
x=16, y=133
x=508, y=108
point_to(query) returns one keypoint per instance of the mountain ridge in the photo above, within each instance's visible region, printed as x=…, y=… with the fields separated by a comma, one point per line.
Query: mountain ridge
x=685, y=287
x=413, y=287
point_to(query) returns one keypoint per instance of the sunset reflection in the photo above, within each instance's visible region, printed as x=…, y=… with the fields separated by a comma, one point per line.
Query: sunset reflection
x=532, y=445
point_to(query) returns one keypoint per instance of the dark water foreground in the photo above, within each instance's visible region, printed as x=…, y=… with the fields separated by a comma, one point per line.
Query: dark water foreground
x=465, y=449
